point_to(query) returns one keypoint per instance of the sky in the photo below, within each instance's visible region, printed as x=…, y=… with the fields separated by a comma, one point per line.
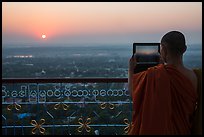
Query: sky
x=98, y=22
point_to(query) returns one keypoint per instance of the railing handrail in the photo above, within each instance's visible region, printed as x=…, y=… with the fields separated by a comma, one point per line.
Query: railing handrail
x=65, y=80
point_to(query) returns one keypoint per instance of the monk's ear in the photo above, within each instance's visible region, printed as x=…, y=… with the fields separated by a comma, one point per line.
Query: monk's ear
x=165, y=50
x=184, y=49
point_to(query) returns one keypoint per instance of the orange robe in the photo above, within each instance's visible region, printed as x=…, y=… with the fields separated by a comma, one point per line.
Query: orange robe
x=164, y=101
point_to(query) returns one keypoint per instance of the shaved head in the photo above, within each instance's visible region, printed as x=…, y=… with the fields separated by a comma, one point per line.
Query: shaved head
x=175, y=42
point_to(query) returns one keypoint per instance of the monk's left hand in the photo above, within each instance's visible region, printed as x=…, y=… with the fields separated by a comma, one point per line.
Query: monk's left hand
x=132, y=63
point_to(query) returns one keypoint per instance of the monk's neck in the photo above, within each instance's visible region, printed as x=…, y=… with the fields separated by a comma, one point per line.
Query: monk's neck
x=177, y=62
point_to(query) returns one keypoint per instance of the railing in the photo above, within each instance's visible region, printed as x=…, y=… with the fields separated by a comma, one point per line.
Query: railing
x=66, y=106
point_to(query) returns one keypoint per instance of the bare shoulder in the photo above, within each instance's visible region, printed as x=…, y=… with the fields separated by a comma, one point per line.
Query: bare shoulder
x=190, y=74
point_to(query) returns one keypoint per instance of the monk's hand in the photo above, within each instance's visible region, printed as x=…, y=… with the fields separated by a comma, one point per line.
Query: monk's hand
x=132, y=63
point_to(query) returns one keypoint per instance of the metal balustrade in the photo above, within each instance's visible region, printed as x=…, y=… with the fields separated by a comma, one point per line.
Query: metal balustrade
x=66, y=106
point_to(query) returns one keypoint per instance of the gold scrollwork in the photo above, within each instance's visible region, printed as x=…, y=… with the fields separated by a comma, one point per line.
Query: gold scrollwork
x=64, y=106
x=14, y=105
x=103, y=105
x=127, y=128
x=111, y=106
x=38, y=126
x=84, y=125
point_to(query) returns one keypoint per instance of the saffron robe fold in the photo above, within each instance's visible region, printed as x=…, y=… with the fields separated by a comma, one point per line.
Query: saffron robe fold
x=164, y=101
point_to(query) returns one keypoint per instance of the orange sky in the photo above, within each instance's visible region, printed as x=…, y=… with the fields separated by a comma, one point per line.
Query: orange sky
x=99, y=22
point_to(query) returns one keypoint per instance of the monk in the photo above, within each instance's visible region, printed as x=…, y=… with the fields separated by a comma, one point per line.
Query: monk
x=164, y=97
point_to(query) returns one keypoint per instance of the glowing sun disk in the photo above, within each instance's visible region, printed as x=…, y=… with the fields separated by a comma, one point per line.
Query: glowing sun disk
x=43, y=36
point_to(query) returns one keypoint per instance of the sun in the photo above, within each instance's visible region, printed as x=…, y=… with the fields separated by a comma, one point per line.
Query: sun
x=43, y=36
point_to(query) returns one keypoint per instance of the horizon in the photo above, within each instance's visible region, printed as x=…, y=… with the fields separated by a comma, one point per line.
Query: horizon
x=67, y=45
x=98, y=22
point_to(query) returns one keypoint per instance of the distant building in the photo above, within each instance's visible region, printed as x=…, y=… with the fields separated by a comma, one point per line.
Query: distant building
x=42, y=73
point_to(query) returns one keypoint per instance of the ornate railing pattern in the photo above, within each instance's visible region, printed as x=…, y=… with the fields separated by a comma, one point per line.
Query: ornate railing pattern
x=93, y=106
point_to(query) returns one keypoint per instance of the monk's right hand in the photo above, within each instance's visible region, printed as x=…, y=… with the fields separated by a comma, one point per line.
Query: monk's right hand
x=132, y=63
